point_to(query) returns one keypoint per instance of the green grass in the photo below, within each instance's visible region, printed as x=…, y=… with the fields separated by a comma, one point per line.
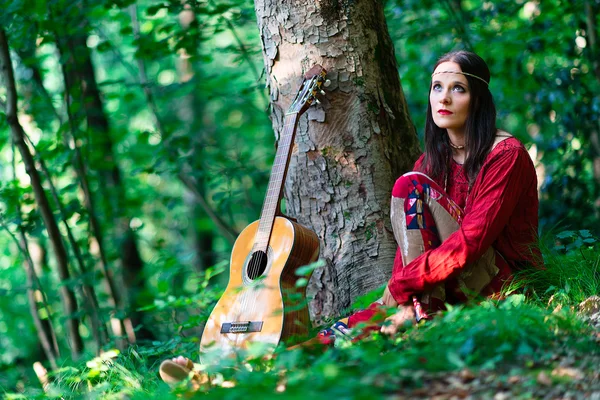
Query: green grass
x=489, y=336
x=519, y=332
x=572, y=270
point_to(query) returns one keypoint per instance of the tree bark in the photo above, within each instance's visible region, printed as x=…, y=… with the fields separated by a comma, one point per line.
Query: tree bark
x=18, y=136
x=350, y=151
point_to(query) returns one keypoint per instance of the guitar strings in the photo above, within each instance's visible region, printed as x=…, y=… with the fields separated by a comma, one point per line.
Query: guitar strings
x=287, y=136
x=255, y=263
x=254, y=267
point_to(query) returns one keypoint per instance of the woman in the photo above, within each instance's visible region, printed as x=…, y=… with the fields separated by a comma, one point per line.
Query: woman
x=464, y=220
x=467, y=218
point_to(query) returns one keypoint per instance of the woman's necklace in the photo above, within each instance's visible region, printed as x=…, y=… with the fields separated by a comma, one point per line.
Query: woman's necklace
x=455, y=146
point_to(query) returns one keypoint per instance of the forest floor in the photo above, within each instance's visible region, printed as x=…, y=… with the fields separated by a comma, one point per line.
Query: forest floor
x=564, y=377
x=567, y=374
x=501, y=351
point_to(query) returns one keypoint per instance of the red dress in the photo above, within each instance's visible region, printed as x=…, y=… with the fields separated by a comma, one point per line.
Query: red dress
x=501, y=210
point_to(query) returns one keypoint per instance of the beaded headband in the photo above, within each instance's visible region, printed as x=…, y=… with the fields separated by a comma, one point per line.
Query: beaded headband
x=463, y=73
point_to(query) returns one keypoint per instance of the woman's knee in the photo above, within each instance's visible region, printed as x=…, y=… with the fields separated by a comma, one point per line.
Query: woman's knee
x=406, y=184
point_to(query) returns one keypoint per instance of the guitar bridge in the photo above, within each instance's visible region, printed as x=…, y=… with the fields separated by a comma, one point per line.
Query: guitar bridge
x=242, y=327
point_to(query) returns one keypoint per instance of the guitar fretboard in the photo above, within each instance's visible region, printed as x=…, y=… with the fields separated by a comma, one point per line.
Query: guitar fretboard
x=276, y=182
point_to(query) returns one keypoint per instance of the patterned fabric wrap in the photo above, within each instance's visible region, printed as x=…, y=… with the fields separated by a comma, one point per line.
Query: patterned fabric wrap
x=423, y=216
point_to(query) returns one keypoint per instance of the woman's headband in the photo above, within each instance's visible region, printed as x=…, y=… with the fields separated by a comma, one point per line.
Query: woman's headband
x=463, y=73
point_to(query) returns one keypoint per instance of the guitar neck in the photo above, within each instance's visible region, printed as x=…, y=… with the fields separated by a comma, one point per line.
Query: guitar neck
x=276, y=182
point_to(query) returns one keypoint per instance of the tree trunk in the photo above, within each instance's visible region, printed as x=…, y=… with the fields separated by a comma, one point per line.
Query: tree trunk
x=594, y=54
x=18, y=136
x=88, y=291
x=191, y=112
x=75, y=52
x=350, y=151
x=44, y=329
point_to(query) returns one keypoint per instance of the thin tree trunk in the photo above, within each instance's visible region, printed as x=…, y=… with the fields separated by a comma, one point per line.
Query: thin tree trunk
x=111, y=186
x=18, y=136
x=45, y=331
x=89, y=293
x=74, y=119
x=39, y=259
x=191, y=113
x=350, y=151
x=594, y=52
x=42, y=375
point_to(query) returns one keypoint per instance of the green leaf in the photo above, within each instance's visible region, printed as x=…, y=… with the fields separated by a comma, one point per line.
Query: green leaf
x=301, y=282
x=565, y=234
x=306, y=270
x=126, y=30
x=455, y=360
x=103, y=47
x=524, y=349
x=153, y=10
x=514, y=300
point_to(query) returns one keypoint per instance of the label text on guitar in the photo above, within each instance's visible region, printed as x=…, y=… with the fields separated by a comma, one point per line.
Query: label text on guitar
x=242, y=327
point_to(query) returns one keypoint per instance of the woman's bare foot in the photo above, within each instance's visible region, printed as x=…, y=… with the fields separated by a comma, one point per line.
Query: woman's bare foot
x=184, y=362
x=177, y=370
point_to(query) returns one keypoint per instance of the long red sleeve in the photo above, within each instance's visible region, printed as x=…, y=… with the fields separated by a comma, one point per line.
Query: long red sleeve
x=501, y=193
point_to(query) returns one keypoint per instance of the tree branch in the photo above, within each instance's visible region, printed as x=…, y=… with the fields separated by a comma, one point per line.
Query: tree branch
x=190, y=183
x=460, y=19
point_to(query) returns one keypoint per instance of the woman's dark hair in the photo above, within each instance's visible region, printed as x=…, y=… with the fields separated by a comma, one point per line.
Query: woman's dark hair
x=480, y=126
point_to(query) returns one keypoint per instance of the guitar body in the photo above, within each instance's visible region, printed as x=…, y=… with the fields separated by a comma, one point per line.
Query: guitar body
x=254, y=310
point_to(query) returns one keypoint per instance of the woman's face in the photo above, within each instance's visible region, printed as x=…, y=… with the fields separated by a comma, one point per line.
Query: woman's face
x=450, y=98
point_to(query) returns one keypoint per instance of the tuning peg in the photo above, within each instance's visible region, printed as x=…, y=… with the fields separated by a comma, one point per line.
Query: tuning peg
x=327, y=83
x=322, y=92
x=317, y=101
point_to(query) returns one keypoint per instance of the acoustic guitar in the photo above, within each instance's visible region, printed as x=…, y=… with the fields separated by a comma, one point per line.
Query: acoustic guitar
x=256, y=305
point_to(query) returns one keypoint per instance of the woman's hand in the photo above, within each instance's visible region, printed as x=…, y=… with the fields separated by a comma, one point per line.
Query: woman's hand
x=405, y=315
x=388, y=299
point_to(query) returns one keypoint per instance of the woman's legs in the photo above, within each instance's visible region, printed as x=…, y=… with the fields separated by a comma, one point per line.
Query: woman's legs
x=422, y=217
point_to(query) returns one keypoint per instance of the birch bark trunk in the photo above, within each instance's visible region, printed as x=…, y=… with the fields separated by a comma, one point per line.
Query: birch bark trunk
x=350, y=150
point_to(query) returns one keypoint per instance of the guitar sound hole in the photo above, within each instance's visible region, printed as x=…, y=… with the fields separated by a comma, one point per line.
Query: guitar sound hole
x=257, y=264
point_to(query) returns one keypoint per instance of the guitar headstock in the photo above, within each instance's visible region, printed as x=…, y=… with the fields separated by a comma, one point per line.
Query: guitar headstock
x=311, y=85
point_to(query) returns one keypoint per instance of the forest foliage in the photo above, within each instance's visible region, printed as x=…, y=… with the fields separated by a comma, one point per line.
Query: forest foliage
x=149, y=125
